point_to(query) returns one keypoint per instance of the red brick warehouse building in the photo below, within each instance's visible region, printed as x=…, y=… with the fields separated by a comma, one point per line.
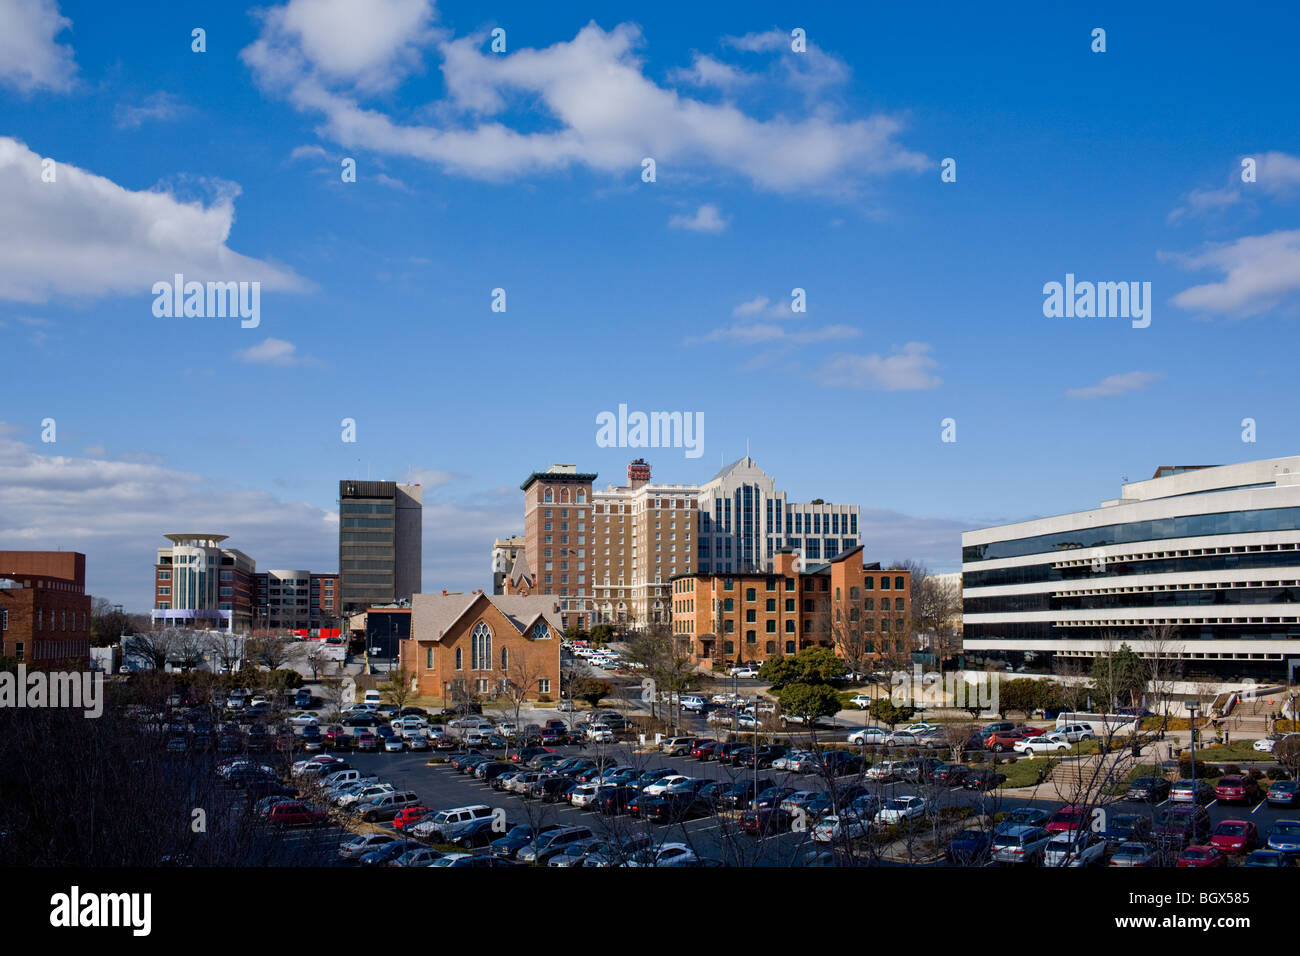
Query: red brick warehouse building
x=862, y=611
x=44, y=608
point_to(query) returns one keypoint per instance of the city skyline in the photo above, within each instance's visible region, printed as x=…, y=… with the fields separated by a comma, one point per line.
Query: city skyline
x=800, y=277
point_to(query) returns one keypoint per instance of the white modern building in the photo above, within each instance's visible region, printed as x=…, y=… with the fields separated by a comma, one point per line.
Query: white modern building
x=1200, y=563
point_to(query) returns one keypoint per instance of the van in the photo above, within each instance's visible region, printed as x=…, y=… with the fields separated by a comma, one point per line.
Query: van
x=372, y=697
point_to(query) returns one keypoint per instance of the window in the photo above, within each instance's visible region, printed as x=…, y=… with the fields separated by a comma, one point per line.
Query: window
x=789, y=605
x=540, y=632
x=898, y=624
x=884, y=583
x=898, y=584
x=751, y=616
x=750, y=594
x=884, y=604
x=771, y=605
x=459, y=658
x=771, y=627
x=751, y=637
x=544, y=685
x=481, y=648
x=428, y=658
x=505, y=659
x=789, y=647
x=884, y=625
x=789, y=627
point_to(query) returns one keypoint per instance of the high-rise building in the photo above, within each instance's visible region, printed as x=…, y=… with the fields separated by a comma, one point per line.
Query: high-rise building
x=609, y=554
x=198, y=583
x=504, y=553
x=1198, y=564
x=380, y=542
x=44, y=608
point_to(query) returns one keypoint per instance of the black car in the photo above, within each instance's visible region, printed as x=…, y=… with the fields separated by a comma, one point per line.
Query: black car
x=517, y=838
x=765, y=755
x=1122, y=827
x=741, y=793
x=983, y=780
x=613, y=800
x=950, y=774
x=840, y=763
x=556, y=789
x=671, y=807
x=491, y=769
x=771, y=797
x=478, y=833
x=918, y=769
x=1148, y=790
x=383, y=855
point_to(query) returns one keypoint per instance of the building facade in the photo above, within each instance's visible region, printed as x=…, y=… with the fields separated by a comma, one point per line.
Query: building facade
x=44, y=608
x=861, y=611
x=478, y=642
x=380, y=542
x=504, y=553
x=296, y=600
x=1196, y=563
x=200, y=584
x=609, y=555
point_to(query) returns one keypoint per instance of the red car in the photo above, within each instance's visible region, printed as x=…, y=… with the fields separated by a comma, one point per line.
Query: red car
x=705, y=750
x=408, y=815
x=1032, y=731
x=292, y=813
x=1003, y=740
x=1235, y=836
x=1237, y=789
x=1069, y=817
x=1200, y=856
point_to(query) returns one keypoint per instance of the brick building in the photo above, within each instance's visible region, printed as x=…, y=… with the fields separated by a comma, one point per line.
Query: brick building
x=299, y=601
x=44, y=608
x=479, y=641
x=863, y=612
x=199, y=583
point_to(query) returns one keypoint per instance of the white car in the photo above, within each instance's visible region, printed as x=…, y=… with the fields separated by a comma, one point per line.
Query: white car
x=860, y=701
x=1074, y=848
x=600, y=733
x=308, y=718
x=366, y=794
x=403, y=724
x=790, y=760
x=897, y=809
x=450, y=858
x=745, y=671
x=920, y=728
x=724, y=699
x=844, y=826
x=668, y=854
x=1046, y=744
x=585, y=793
x=1268, y=744
x=663, y=783
x=885, y=770
x=869, y=735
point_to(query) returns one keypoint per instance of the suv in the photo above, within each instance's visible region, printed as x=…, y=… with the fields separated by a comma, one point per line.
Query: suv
x=1075, y=732
x=677, y=746
x=446, y=825
x=1019, y=844
x=1181, y=826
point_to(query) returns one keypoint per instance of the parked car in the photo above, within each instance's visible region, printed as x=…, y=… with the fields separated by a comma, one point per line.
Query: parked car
x=1074, y=848
x=969, y=848
x=551, y=842
x=351, y=850
x=1283, y=793
x=950, y=774
x=1003, y=740
x=868, y=736
x=290, y=813
x=1126, y=827
x=1075, y=732
x=1191, y=791
x=1178, y=826
x=1201, y=857
x=446, y=825
x=1069, y=817
x=1019, y=844
x=1032, y=746
x=1237, y=788
x=387, y=806
x=901, y=808
x=1135, y=853
x=860, y=701
x=1266, y=858
x=1148, y=790
x=1235, y=836
x=1285, y=837
x=983, y=780
x=409, y=815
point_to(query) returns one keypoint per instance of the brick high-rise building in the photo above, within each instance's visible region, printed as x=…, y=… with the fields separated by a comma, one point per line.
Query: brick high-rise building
x=609, y=554
x=296, y=601
x=44, y=608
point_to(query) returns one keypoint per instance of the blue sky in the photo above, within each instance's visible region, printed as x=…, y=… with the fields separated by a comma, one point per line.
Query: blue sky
x=775, y=170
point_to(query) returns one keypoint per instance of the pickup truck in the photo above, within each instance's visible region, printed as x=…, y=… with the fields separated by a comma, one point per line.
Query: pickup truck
x=343, y=778
x=366, y=794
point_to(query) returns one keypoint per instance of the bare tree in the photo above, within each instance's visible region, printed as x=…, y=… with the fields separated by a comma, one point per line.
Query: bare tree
x=397, y=690
x=273, y=651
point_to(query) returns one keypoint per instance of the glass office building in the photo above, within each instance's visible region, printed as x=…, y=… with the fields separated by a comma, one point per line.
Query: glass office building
x=1198, y=563
x=379, y=542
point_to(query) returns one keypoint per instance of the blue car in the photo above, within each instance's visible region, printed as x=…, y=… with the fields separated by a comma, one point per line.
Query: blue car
x=1267, y=858
x=970, y=846
x=1285, y=837
x=388, y=852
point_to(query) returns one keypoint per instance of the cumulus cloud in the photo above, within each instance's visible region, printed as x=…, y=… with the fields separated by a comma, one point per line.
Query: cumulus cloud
x=159, y=107
x=1113, y=385
x=84, y=235
x=1259, y=274
x=1277, y=176
x=706, y=219
x=601, y=111
x=30, y=57
x=117, y=511
x=906, y=369
x=274, y=351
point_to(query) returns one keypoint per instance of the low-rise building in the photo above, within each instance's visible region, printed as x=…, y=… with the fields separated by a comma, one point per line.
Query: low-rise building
x=44, y=608
x=478, y=642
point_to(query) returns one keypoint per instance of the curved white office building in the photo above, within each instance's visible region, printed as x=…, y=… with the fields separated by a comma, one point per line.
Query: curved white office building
x=1197, y=562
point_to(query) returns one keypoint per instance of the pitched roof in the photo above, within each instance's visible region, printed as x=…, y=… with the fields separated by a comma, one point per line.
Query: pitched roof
x=434, y=614
x=520, y=569
x=732, y=467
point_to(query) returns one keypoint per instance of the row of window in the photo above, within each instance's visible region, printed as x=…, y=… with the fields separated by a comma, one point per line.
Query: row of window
x=1201, y=597
x=59, y=623
x=1211, y=560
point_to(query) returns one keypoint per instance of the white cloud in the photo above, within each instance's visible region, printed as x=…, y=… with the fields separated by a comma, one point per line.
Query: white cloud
x=372, y=46
x=429, y=478
x=84, y=235
x=308, y=151
x=766, y=332
x=1113, y=385
x=752, y=307
x=706, y=71
x=385, y=180
x=600, y=109
x=907, y=369
x=159, y=107
x=274, y=351
x=706, y=219
x=1259, y=273
x=1277, y=176
x=30, y=58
